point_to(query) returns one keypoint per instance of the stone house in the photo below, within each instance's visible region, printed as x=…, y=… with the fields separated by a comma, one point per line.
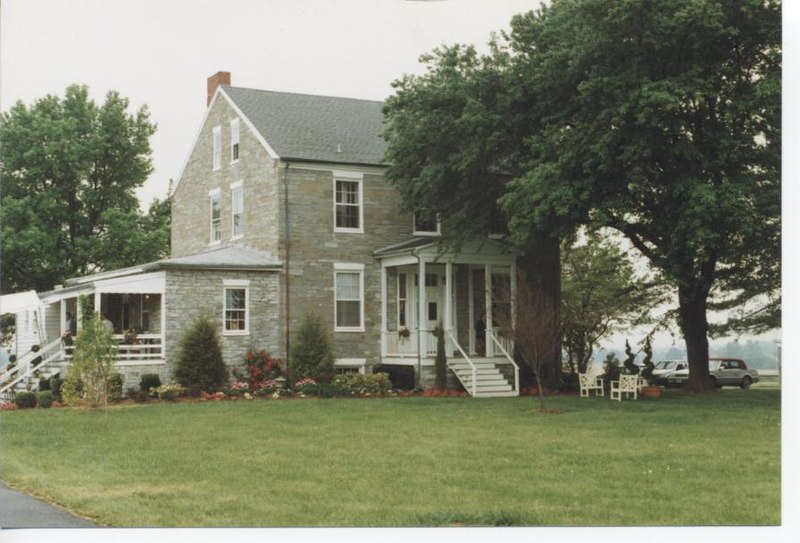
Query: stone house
x=281, y=210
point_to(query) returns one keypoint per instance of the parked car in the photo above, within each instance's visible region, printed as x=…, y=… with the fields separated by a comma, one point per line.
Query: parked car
x=666, y=368
x=723, y=371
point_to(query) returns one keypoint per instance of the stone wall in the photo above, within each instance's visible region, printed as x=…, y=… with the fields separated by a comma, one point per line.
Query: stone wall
x=191, y=211
x=191, y=293
x=315, y=248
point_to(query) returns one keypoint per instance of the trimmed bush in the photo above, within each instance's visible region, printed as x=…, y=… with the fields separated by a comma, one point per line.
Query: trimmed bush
x=55, y=387
x=115, y=387
x=170, y=391
x=25, y=400
x=312, y=352
x=200, y=363
x=148, y=381
x=45, y=399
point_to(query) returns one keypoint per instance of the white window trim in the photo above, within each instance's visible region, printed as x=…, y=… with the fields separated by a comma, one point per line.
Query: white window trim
x=236, y=284
x=216, y=148
x=359, y=363
x=234, y=186
x=340, y=267
x=212, y=194
x=399, y=282
x=235, y=122
x=426, y=232
x=351, y=177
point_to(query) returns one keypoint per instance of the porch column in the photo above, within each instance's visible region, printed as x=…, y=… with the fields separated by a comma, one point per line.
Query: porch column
x=448, y=297
x=514, y=298
x=97, y=300
x=62, y=316
x=422, y=345
x=384, y=319
x=471, y=305
x=487, y=281
x=164, y=324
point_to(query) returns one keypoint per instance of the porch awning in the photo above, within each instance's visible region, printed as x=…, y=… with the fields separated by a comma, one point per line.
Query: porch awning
x=19, y=302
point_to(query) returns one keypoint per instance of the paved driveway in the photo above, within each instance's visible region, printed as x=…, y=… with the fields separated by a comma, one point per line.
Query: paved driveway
x=18, y=510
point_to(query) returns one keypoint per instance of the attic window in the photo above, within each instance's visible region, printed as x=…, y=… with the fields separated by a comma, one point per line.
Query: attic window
x=234, y=140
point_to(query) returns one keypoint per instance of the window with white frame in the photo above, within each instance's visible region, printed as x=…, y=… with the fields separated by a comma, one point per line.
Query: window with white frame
x=234, y=140
x=349, y=297
x=425, y=226
x=237, y=210
x=216, y=136
x=235, y=311
x=215, y=206
x=347, y=204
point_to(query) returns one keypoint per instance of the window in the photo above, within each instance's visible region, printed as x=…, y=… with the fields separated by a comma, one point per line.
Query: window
x=215, y=205
x=237, y=210
x=235, y=312
x=349, y=365
x=234, y=140
x=426, y=227
x=402, y=298
x=349, y=297
x=347, y=205
x=217, y=138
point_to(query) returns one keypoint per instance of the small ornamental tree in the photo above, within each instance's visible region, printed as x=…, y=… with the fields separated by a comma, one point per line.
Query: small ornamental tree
x=312, y=352
x=200, y=365
x=632, y=368
x=91, y=372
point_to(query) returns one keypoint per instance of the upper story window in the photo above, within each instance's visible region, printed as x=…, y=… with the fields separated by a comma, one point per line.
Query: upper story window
x=237, y=210
x=426, y=227
x=215, y=204
x=347, y=207
x=234, y=140
x=236, y=311
x=349, y=297
x=217, y=152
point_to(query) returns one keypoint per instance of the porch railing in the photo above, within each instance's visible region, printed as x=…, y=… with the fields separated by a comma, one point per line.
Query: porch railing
x=147, y=347
x=473, y=384
x=505, y=345
x=408, y=345
x=28, y=364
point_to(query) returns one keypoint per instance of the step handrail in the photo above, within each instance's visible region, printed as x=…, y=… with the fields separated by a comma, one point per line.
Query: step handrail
x=510, y=359
x=47, y=355
x=469, y=361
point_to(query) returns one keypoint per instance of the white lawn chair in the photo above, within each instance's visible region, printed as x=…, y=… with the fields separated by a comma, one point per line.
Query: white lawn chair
x=589, y=383
x=627, y=384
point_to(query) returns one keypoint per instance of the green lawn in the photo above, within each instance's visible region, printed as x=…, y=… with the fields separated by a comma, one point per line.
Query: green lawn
x=678, y=460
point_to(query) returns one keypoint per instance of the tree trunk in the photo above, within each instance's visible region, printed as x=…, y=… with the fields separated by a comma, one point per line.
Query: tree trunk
x=540, y=268
x=694, y=325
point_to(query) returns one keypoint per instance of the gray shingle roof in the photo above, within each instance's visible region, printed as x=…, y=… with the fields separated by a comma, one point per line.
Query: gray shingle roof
x=318, y=128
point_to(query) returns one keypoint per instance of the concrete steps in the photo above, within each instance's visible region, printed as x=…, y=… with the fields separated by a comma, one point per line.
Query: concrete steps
x=489, y=381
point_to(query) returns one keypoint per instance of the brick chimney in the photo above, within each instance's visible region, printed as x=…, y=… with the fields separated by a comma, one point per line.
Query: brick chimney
x=219, y=78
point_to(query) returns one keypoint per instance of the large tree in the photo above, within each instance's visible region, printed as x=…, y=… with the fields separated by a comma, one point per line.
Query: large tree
x=69, y=169
x=661, y=119
x=454, y=141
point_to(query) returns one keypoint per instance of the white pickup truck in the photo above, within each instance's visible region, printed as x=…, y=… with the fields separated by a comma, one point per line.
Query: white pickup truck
x=723, y=371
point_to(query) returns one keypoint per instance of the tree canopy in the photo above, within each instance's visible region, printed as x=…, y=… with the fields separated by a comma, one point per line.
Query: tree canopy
x=659, y=119
x=69, y=169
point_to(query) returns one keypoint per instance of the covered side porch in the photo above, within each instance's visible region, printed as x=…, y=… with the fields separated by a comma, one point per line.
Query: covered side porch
x=470, y=295
x=132, y=303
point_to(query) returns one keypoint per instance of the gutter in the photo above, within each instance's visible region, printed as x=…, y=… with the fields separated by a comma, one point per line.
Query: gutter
x=286, y=249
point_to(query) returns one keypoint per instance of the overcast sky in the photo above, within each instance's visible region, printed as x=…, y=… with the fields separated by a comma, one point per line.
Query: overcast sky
x=160, y=52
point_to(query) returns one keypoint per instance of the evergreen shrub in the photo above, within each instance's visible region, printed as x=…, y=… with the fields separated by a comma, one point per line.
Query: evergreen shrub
x=200, y=363
x=25, y=400
x=45, y=399
x=148, y=381
x=312, y=351
x=55, y=387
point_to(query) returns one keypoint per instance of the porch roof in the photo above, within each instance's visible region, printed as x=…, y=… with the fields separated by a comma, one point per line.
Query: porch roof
x=224, y=258
x=481, y=251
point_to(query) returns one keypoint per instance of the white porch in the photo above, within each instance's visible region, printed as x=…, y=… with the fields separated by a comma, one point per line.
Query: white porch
x=422, y=289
